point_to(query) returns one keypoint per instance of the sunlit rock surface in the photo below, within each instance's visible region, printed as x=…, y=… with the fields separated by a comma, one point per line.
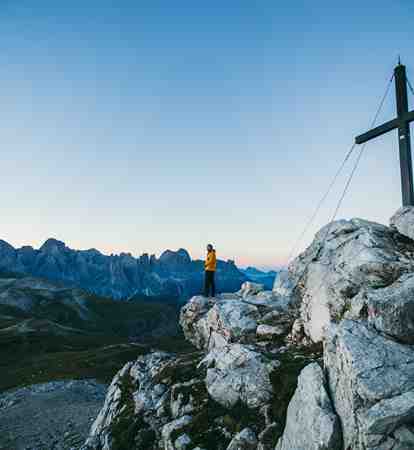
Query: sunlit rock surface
x=345, y=258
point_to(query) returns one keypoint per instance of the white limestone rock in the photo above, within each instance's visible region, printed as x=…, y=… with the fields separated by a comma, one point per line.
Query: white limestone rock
x=284, y=284
x=371, y=379
x=389, y=310
x=403, y=221
x=212, y=324
x=183, y=442
x=249, y=288
x=344, y=258
x=268, y=332
x=170, y=429
x=144, y=397
x=236, y=373
x=311, y=422
x=245, y=440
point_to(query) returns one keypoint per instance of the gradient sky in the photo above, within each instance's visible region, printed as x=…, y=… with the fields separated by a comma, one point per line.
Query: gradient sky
x=144, y=125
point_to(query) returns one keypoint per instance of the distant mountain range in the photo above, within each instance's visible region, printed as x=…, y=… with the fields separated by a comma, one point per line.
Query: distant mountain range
x=174, y=274
x=260, y=276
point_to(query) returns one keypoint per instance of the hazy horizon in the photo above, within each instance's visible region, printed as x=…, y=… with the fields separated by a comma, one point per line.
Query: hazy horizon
x=142, y=127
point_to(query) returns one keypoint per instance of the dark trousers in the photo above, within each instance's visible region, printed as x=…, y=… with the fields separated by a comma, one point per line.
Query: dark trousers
x=209, y=283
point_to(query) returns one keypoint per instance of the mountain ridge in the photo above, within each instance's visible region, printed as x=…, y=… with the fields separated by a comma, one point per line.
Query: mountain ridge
x=121, y=276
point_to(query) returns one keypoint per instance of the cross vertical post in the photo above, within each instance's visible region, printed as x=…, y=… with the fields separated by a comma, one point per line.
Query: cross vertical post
x=404, y=138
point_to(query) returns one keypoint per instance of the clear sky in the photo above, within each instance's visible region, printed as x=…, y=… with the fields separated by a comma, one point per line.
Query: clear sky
x=145, y=125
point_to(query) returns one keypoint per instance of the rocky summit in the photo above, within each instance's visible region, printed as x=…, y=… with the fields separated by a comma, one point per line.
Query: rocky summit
x=324, y=361
x=174, y=275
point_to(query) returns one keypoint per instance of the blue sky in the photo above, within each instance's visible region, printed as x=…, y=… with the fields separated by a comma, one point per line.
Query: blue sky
x=139, y=126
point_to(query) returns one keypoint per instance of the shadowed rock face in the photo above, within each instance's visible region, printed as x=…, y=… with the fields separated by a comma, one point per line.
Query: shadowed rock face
x=173, y=275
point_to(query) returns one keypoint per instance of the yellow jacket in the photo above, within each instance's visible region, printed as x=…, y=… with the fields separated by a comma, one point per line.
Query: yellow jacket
x=210, y=264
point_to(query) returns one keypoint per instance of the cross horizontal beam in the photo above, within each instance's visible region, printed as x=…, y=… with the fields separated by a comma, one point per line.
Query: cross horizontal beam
x=382, y=129
x=378, y=131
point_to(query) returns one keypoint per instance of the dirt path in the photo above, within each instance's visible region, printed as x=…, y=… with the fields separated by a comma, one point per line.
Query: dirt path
x=50, y=416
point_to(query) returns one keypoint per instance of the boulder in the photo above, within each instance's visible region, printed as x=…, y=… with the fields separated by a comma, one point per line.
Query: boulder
x=228, y=319
x=311, y=422
x=268, y=332
x=403, y=221
x=236, y=373
x=170, y=430
x=344, y=258
x=250, y=288
x=245, y=440
x=284, y=285
x=143, y=406
x=193, y=320
x=371, y=379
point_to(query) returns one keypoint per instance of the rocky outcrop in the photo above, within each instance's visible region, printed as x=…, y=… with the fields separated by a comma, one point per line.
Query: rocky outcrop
x=371, y=379
x=174, y=274
x=231, y=394
x=354, y=288
x=345, y=258
x=146, y=407
x=236, y=317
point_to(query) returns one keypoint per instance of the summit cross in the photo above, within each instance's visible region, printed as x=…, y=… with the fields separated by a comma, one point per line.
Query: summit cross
x=402, y=122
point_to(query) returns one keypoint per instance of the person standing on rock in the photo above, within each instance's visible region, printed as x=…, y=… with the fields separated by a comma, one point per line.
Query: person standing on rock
x=210, y=272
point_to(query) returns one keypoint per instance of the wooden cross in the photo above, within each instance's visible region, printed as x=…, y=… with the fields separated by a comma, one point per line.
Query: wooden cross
x=402, y=122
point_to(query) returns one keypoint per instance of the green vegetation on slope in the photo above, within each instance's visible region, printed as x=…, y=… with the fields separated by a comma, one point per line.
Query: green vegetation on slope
x=49, y=332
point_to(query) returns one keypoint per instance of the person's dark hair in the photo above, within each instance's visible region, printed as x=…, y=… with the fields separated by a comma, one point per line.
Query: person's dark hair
x=209, y=247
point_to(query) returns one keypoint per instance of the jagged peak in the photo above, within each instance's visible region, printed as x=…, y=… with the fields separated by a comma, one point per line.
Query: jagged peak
x=52, y=244
x=180, y=256
x=6, y=245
